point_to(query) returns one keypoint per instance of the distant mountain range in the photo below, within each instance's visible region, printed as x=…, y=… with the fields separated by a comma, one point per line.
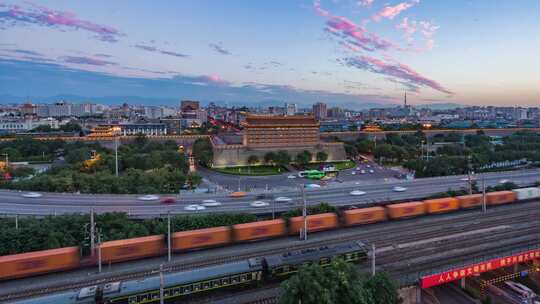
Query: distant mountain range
x=137, y=100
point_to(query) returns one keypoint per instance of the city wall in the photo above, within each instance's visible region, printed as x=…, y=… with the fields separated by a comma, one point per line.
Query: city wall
x=237, y=155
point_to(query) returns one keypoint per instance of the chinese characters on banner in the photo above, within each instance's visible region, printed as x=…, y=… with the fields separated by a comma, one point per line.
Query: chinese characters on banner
x=458, y=273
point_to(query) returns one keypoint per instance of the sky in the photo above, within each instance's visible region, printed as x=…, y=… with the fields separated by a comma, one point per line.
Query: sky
x=343, y=52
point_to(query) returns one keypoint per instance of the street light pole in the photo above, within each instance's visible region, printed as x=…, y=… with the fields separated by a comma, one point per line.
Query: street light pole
x=99, y=252
x=116, y=154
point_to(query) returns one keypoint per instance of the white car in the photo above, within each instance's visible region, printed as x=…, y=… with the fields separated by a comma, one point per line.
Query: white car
x=149, y=197
x=32, y=195
x=363, y=171
x=283, y=199
x=211, y=203
x=291, y=176
x=194, y=207
x=357, y=193
x=399, y=189
x=312, y=186
x=258, y=204
x=504, y=181
x=371, y=171
x=353, y=173
x=466, y=179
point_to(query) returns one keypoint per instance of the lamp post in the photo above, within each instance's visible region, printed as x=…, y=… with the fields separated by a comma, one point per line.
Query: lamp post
x=116, y=131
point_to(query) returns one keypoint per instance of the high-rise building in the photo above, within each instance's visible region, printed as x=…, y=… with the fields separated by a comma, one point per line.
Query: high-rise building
x=319, y=110
x=280, y=131
x=336, y=112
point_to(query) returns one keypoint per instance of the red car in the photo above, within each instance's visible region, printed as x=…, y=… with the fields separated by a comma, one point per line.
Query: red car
x=168, y=200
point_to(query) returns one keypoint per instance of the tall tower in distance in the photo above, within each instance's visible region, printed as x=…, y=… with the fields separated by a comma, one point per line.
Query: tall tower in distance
x=405, y=101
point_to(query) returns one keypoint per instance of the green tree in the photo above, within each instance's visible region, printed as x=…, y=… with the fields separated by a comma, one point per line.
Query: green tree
x=140, y=140
x=321, y=156
x=283, y=158
x=303, y=158
x=270, y=158
x=202, y=150
x=252, y=160
x=338, y=283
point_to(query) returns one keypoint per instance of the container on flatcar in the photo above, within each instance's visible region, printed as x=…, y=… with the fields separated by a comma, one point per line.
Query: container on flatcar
x=259, y=230
x=441, y=205
x=130, y=249
x=469, y=201
x=37, y=262
x=364, y=216
x=527, y=193
x=316, y=222
x=403, y=210
x=500, y=197
x=200, y=238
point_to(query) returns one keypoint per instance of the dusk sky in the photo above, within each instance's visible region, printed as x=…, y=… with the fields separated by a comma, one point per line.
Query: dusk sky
x=475, y=52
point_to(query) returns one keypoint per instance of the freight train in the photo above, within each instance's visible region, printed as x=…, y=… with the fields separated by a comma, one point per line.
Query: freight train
x=39, y=262
x=202, y=280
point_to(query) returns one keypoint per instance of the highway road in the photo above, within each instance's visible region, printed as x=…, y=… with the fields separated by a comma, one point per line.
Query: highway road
x=337, y=194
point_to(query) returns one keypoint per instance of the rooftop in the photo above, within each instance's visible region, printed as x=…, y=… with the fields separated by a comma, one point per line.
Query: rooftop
x=266, y=120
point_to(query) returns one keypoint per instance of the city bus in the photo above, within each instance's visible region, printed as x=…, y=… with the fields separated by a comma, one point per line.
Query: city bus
x=315, y=174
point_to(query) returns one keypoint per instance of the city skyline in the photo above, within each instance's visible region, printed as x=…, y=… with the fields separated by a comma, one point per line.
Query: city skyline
x=340, y=52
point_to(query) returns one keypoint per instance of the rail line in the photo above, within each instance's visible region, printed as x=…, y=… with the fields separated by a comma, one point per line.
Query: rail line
x=386, y=235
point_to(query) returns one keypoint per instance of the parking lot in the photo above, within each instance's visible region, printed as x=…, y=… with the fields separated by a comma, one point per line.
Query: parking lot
x=363, y=172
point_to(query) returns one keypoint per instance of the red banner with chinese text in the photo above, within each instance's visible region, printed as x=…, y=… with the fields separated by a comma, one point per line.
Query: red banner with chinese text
x=462, y=272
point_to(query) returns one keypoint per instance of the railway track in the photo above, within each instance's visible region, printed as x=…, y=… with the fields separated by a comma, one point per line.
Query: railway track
x=387, y=235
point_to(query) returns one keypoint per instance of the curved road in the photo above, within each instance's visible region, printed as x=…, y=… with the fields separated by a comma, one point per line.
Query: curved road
x=338, y=194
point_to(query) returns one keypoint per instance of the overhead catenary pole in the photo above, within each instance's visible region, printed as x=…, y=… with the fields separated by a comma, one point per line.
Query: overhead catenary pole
x=99, y=252
x=169, y=236
x=373, y=259
x=92, y=232
x=304, y=212
x=484, y=207
x=161, y=284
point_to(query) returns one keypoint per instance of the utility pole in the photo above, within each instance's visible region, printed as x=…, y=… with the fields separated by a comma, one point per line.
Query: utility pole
x=92, y=232
x=161, y=284
x=372, y=259
x=16, y=222
x=169, y=236
x=239, y=184
x=304, y=212
x=484, y=207
x=99, y=251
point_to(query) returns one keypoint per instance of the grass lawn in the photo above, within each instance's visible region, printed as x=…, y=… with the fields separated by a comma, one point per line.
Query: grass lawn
x=339, y=165
x=254, y=170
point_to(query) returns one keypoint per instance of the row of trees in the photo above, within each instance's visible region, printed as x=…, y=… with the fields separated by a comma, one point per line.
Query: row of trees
x=339, y=283
x=72, y=230
x=283, y=158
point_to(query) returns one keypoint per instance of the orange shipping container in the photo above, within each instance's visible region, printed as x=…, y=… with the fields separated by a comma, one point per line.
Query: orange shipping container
x=32, y=263
x=129, y=249
x=200, y=238
x=469, y=201
x=316, y=222
x=441, y=205
x=259, y=230
x=364, y=215
x=500, y=197
x=402, y=210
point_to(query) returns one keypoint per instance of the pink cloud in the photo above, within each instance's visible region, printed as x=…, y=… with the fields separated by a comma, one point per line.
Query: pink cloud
x=40, y=15
x=390, y=12
x=408, y=27
x=353, y=34
x=366, y=3
x=428, y=30
x=396, y=70
x=86, y=61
